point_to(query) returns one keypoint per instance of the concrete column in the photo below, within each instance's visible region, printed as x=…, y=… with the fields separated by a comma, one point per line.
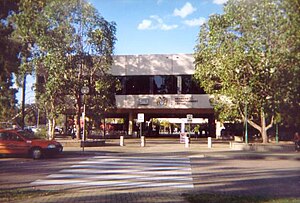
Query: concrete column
x=130, y=125
x=219, y=127
x=209, y=142
x=182, y=129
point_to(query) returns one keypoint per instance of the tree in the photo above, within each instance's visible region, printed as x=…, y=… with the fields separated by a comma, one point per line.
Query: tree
x=166, y=124
x=33, y=53
x=34, y=116
x=248, y=60
x=71, y=46
x=9, y=61
x=290, y=109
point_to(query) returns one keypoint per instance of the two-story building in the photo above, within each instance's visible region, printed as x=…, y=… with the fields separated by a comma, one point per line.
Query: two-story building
x=159, y=86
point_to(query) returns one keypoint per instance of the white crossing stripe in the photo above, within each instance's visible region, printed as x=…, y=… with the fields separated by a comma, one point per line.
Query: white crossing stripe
x=117, y=171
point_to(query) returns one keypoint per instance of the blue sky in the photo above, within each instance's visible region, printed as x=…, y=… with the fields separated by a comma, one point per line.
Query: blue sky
x=157, y=26
x=151, y=26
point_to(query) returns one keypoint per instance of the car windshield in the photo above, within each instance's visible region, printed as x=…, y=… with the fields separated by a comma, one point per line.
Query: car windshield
x=28, y=135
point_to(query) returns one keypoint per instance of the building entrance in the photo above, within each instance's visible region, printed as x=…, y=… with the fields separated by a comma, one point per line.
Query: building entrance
x=165, y=124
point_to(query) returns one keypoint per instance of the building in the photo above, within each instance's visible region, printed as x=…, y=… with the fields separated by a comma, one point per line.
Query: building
x=159, y=86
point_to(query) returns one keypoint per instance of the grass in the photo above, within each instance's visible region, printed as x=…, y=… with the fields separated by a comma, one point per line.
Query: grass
x=226, y=198
x=8, y=195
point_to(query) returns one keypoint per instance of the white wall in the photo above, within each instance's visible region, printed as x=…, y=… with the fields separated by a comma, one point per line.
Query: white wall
x=173, y=101
x=154, y=64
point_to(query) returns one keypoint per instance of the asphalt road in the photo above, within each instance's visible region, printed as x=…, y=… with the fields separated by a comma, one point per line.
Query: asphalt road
x=19, y=172
x=157, y=168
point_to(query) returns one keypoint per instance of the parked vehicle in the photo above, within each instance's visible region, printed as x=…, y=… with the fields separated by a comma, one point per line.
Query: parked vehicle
x=8, y=125
x=22, y=142
x=31, y=128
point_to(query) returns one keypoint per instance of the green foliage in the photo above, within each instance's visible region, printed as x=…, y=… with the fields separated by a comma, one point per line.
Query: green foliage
x=42, y=132
x=165, y=123
x=71, y=46
x=197, y=129
x=249, y=56
x=31, y=115
x=10, y=195
x=227, y=198
x=9, y=61
x=34, y=115
x=155, y=121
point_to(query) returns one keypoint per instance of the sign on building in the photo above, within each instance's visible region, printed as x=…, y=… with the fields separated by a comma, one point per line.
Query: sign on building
x=140, y=118
x=189, y=118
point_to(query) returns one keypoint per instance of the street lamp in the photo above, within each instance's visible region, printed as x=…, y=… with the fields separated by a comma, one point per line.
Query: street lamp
x=246, y=91
x=84, y=90
x=246, y=123
x=276, y=133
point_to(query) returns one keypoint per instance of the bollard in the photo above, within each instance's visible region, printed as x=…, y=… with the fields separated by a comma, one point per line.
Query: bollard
x=209, y=142
x=121, y=140
x=187, y=142
x=143, y=141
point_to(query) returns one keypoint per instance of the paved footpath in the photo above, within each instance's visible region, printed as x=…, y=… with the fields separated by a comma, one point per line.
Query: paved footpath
x=164, y=170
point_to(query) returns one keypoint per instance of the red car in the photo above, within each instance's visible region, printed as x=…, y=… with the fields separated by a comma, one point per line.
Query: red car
x=21, y=142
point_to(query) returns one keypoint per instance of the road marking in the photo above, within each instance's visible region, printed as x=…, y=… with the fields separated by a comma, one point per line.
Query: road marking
x=115, y=171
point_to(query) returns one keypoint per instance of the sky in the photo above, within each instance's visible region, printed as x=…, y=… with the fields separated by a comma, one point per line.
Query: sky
x=157, y=26
x=151, y=27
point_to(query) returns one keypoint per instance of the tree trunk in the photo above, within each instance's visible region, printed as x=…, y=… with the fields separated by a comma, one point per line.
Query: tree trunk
x=263, y=131
x=49, y=129
x=262, y=128
x=51, y=126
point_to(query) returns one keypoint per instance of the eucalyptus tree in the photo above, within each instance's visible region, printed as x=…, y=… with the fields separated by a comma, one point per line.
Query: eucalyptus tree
x=9, y=61
x=248, y=59
x=72, y=46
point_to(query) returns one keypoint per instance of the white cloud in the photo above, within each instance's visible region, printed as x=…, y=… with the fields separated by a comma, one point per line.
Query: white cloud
x=186, y=10
x=195, y=22
x=156, y=23
x=159, y=1
x=157, y=18
x=145, y=24
x=168, y=27
x=219, y=1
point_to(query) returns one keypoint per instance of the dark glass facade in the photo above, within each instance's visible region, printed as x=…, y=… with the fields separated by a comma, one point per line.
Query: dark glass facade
x=164, y=84
x=137, y=85
x=190, y=85
x=158, y=84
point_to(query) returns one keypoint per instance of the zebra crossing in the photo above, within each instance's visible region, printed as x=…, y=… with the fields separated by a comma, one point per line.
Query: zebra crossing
x=119, y=171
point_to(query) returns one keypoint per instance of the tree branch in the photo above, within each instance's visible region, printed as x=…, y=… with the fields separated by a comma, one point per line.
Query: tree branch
x=271, y=123
x=252, y=123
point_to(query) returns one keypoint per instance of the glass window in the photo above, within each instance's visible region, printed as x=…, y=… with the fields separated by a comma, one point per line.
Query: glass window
x=12, y=137
x=27, y=134
x=133, y=85
x=137, y=85
x=164, y=84
x=3, y=136
x=190, y=85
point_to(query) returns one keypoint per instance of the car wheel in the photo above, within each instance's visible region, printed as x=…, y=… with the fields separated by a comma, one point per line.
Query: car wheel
x=36, y=153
